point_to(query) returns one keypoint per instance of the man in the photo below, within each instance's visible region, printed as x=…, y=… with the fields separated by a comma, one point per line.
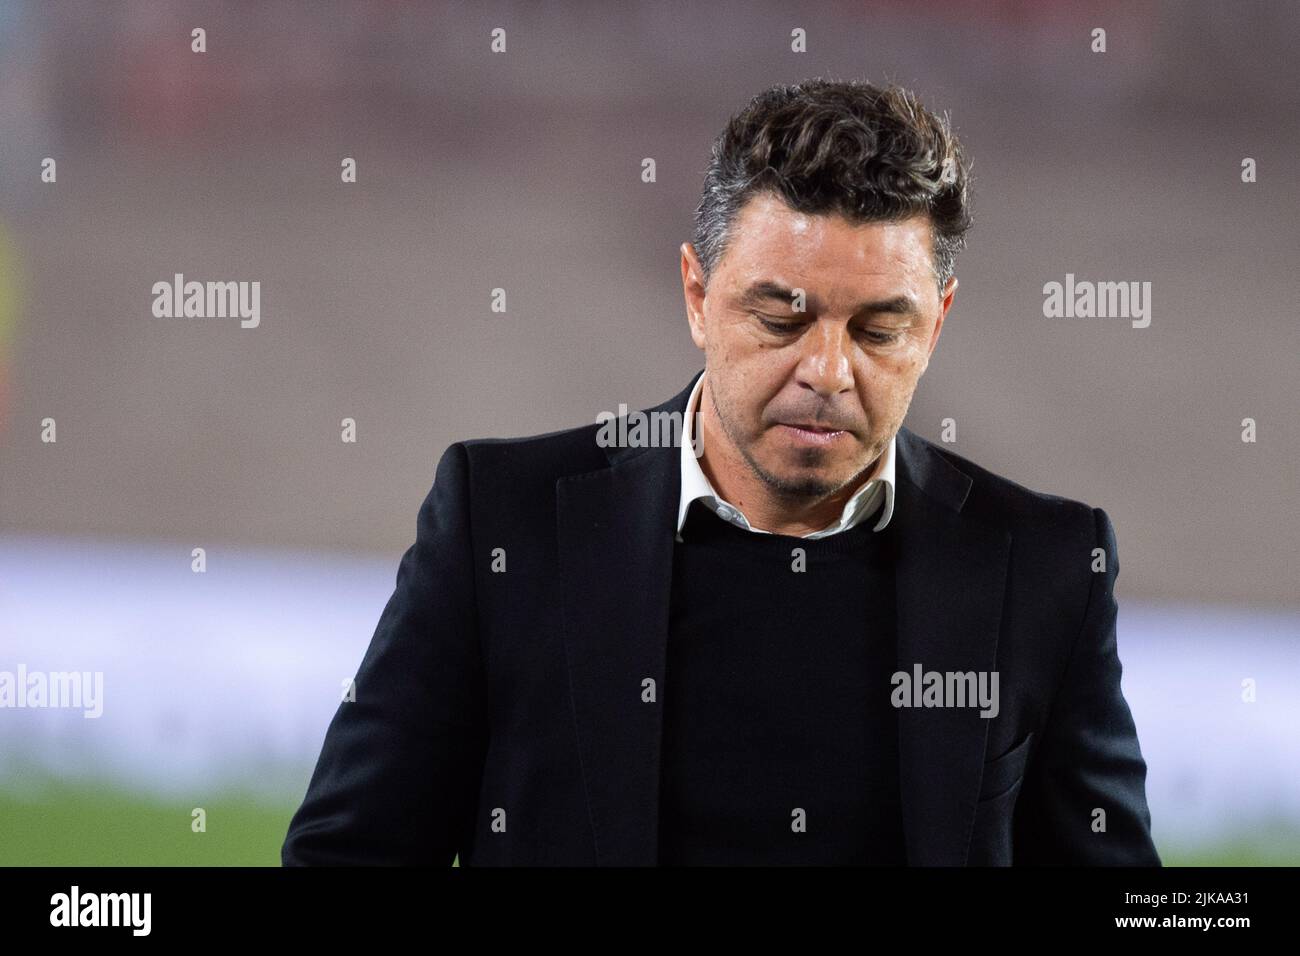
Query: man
x=799, y=633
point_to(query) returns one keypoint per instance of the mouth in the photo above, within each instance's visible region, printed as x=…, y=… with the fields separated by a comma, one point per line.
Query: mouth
x=811, y=434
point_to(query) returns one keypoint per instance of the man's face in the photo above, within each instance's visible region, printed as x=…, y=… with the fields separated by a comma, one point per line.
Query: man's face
x=844, y=368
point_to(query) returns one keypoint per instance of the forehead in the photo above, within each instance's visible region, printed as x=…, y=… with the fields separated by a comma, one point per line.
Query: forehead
x=769, y=237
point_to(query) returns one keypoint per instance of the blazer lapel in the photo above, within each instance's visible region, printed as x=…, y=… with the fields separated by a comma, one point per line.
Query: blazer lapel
x=950, y=583
x=616, y=531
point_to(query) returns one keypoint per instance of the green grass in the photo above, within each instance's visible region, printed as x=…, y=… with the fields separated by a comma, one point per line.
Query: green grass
x=65, y=825
x=52, y=823
x=1240, y=851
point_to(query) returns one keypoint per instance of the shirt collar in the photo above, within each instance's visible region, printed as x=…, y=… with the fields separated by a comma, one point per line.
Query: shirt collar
x=696, y=486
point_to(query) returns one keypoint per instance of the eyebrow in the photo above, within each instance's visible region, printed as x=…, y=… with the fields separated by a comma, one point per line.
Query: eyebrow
x=765, y=290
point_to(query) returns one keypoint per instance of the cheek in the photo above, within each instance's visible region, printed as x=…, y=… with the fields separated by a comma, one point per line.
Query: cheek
x=908, y=365
x=914, y=353
x=890, y=381
x=886, y=372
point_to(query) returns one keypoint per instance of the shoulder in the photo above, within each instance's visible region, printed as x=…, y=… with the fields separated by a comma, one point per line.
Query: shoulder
x=524, y=467
x=999, y=500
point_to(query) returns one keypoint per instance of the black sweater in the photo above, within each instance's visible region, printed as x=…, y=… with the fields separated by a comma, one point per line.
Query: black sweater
x=777, y=717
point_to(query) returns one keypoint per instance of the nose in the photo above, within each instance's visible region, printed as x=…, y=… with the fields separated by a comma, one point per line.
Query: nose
x=824, y=365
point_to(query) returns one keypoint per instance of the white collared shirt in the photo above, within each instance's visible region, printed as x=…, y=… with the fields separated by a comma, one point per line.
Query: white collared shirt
x=695, y=485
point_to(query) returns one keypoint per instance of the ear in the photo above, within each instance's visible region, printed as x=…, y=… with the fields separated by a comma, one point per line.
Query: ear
x=694, y=292
x=949, y=293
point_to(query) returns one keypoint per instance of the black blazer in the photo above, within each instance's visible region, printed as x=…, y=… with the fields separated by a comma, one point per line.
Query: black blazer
x=498, y=714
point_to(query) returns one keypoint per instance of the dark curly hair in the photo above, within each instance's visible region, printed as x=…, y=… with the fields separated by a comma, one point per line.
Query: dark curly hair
x=871, y=154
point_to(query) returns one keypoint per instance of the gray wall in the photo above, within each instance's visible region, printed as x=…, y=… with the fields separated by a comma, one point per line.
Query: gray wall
x=522, y=171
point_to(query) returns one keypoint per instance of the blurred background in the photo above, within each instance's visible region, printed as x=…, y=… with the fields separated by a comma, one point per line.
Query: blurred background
x=522, y=170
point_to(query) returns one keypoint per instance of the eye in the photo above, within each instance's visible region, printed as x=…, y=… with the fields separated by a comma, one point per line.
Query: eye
x=873, y=336
x=881, y=338
x=774, y=326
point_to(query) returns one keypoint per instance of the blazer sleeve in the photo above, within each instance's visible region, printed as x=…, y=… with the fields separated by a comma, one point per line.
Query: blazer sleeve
x=397, y=778
x=1089, y=758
